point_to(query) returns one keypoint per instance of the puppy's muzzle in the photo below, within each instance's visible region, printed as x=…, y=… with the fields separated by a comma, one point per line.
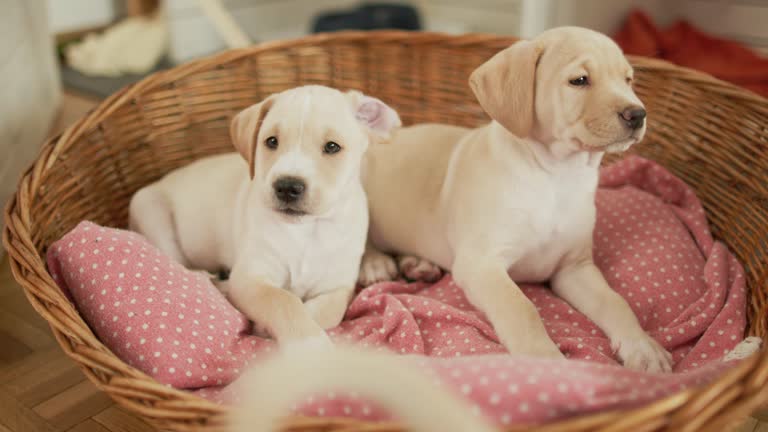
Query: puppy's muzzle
x=633, y=117
x=289, y=190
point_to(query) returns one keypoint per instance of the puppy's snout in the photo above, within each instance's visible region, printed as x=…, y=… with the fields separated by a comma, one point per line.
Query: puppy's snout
x=289, y=189
x=633, y=117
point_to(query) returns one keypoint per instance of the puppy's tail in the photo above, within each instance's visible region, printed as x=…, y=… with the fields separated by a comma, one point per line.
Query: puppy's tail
x=270, y=389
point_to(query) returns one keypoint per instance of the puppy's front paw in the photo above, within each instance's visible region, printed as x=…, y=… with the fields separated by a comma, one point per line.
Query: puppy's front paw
x=418, y=269
x=543, y=348
x=376, y=267
x=643, y=353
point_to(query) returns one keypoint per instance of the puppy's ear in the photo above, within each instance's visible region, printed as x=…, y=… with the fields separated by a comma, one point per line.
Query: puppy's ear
x=375, y=115
x=244, y=130
x=505, y=86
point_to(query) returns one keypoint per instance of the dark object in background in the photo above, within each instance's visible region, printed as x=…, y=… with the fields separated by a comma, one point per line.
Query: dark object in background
x=101, y=86
x=369, y=17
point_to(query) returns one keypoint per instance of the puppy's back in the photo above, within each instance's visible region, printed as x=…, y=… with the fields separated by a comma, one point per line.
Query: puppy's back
x=200, y=198
x=408, y=173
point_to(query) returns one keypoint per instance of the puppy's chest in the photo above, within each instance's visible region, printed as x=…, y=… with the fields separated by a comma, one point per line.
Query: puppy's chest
x=320, y=258
x=569, y=209
x=561, y=217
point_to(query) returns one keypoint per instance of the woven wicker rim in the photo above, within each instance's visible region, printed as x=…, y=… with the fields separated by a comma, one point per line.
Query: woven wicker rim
x=737, y=393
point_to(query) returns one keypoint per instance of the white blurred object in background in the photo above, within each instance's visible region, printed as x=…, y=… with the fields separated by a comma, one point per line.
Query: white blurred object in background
x=134, y=45
x=30, y=90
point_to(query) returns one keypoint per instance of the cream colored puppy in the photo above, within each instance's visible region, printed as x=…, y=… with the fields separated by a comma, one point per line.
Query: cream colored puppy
x=268, y=390
x=288, y=215
x=513, y=201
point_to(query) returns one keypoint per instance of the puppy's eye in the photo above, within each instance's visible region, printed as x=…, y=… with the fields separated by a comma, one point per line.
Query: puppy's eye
x=271, y=142
x=580, y=81
x=629, y=80
x=331, y=147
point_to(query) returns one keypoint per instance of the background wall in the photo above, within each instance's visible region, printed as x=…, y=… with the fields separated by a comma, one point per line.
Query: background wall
x=606, y=16
x=742, y=20
x=192, y=35
x=69, y=15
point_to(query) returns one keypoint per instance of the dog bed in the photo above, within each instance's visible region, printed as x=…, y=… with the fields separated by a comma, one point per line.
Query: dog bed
x=708, y=133
x=651, y=242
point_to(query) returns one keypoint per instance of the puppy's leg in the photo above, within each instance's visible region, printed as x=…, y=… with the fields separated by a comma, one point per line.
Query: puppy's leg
x=278, y=311
x=328, y=309
x=418, y=269
x=151, y=215
x=584, y=287
x=376, y=266
x=515, y=319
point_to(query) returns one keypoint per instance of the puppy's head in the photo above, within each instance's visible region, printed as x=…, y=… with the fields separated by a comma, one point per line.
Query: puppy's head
x=304, y=146
x=569, y=85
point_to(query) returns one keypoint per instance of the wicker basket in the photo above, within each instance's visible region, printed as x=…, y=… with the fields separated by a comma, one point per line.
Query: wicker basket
x=711, y=134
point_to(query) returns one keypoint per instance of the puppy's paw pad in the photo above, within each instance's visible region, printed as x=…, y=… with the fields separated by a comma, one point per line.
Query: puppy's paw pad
x=644, y=354
x=419, y=269
x=376, y=267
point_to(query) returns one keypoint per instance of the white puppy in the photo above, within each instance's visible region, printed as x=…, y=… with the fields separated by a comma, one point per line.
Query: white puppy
x=513, y=201
x=290, y=222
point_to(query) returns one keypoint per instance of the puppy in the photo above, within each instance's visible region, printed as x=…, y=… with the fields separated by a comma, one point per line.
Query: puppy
x=288, y=214
x=269, y=389
x=513, y=201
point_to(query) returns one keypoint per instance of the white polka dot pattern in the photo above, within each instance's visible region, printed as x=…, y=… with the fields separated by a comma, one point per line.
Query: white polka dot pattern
x=651, y=242
x=157, y=316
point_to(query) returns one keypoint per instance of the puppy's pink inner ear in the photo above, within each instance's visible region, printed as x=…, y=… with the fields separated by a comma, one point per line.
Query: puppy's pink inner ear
x=376, y=115
x=369, y=113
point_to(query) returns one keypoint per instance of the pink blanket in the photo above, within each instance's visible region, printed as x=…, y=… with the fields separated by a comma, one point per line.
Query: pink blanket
x=651, y=242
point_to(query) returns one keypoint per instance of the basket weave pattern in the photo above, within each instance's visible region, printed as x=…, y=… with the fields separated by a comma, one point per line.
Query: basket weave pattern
x=709, y=133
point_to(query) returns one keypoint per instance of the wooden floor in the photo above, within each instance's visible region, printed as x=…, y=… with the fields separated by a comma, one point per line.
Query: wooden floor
x=43, y=390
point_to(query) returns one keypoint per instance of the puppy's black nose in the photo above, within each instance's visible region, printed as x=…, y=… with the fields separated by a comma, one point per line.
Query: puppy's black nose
x=289, y=189
x=634, y=117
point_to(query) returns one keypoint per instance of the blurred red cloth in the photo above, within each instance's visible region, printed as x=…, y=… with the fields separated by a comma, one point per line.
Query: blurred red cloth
x=685, y=45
